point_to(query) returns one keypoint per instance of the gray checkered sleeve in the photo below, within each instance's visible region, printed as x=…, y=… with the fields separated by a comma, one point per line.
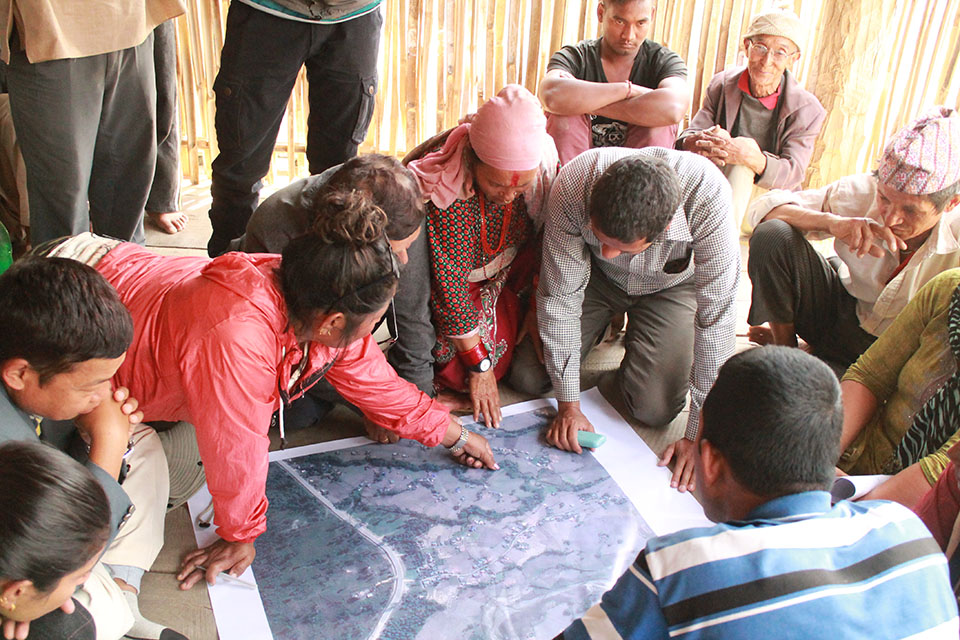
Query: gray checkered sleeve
x=564, y=274
x=716, y=255
x=703, y=219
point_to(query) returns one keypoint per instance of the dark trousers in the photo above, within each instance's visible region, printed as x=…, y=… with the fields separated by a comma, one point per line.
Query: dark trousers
x=165, y=191
x=87, y=132
x=655, y=372
x=261, y=58
x=58, y=625
x=794, y=284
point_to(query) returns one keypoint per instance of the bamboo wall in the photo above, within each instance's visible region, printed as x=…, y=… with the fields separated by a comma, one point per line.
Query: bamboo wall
x=872, y=63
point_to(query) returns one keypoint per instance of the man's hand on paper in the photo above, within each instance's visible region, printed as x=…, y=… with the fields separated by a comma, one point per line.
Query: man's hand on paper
x=683, y=473
x=563, y=430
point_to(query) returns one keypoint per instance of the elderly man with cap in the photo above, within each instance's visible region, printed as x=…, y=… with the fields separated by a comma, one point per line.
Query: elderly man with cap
x=485, y=183
x=894, y=230
x=757, y=123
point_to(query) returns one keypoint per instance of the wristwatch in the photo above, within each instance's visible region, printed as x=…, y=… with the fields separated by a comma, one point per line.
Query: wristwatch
x=476, y=359
x=461, y=442
x=480, y=367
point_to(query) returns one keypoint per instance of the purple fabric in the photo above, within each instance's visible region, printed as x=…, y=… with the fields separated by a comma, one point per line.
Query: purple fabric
x=798, y=124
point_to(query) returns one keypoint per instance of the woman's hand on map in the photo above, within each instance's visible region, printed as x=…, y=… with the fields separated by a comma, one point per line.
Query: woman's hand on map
x=219, y=557
x=683, y=477
x=563, y=430
x=477, y=453
x=485, y=397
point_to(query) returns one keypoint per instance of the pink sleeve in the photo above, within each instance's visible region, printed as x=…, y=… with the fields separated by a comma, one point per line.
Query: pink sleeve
x=363, y=376
x=230, y=378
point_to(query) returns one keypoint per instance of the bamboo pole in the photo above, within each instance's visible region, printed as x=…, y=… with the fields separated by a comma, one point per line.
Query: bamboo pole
x=686, y=25
x=499, y=10
x=411, y=67
x=442, y=57
x=514, y=49
x=662, y=22
x=704, y=41
x=291, y=136
x=888, y=119
x=456, y=75
x=398, y=68
x=948, y=69
x=722, y=37
x=556, y=32
x=188, y=104
x=872, y=63
x=910, y=104
x=426, y=35
x=533, y=52
x=582, y=22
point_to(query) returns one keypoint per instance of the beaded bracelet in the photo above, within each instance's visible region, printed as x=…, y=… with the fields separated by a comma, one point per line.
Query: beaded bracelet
x=472, y=356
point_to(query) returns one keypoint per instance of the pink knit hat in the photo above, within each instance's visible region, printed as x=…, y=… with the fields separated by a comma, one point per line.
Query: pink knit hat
x=924, y=156
x=509, y=129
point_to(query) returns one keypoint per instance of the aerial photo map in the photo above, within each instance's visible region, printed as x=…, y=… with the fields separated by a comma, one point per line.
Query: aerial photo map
x=397, y=541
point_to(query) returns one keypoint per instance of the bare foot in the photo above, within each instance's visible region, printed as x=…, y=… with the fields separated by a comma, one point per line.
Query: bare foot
x=170, y=222
x=617, y=323
x=454, y=401
x=760, y=335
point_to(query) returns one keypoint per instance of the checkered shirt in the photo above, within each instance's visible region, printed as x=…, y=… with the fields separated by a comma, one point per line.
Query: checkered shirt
x=702, y=222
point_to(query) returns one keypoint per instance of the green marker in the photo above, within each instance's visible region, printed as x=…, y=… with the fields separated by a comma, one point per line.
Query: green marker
x=590, y=439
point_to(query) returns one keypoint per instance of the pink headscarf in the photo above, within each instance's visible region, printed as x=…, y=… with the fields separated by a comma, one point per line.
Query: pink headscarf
x=509, y=132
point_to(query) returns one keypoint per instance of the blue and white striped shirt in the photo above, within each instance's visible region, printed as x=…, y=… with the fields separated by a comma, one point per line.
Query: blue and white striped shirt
x=796, y=568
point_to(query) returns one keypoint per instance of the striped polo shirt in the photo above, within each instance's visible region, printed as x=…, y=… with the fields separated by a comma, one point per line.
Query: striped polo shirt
x=795, y=568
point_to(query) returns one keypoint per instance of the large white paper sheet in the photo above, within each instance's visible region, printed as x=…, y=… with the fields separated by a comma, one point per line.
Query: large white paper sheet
x=633, y=466
x=630, y=462
x=238, y=609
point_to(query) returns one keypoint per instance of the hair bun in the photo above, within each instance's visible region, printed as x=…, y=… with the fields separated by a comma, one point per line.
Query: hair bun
x=350, y=218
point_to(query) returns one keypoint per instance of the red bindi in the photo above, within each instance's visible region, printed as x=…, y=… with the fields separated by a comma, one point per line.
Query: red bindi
x=514, y=179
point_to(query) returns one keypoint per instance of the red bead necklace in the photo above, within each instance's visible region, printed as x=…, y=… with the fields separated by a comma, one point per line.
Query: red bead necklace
x=483, y=227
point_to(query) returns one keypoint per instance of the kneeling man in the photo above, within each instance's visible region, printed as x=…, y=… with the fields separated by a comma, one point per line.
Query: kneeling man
x=644, y=232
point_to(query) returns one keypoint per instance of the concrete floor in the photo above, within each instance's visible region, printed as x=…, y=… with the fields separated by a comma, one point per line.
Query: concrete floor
x=189, y=612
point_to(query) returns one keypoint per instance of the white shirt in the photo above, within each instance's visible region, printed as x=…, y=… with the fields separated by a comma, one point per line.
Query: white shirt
x=878, y=302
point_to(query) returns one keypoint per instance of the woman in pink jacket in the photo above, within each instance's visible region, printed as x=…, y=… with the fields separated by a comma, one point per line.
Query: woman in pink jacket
x=225, y=343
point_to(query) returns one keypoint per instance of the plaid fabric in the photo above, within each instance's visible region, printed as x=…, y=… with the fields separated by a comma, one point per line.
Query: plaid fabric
x=702, y=224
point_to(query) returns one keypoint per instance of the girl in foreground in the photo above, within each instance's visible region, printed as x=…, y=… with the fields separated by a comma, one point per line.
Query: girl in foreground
x=54, y=526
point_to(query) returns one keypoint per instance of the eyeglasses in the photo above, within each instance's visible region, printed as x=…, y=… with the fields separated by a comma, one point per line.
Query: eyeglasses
x=760, y=51
x=390, y=317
